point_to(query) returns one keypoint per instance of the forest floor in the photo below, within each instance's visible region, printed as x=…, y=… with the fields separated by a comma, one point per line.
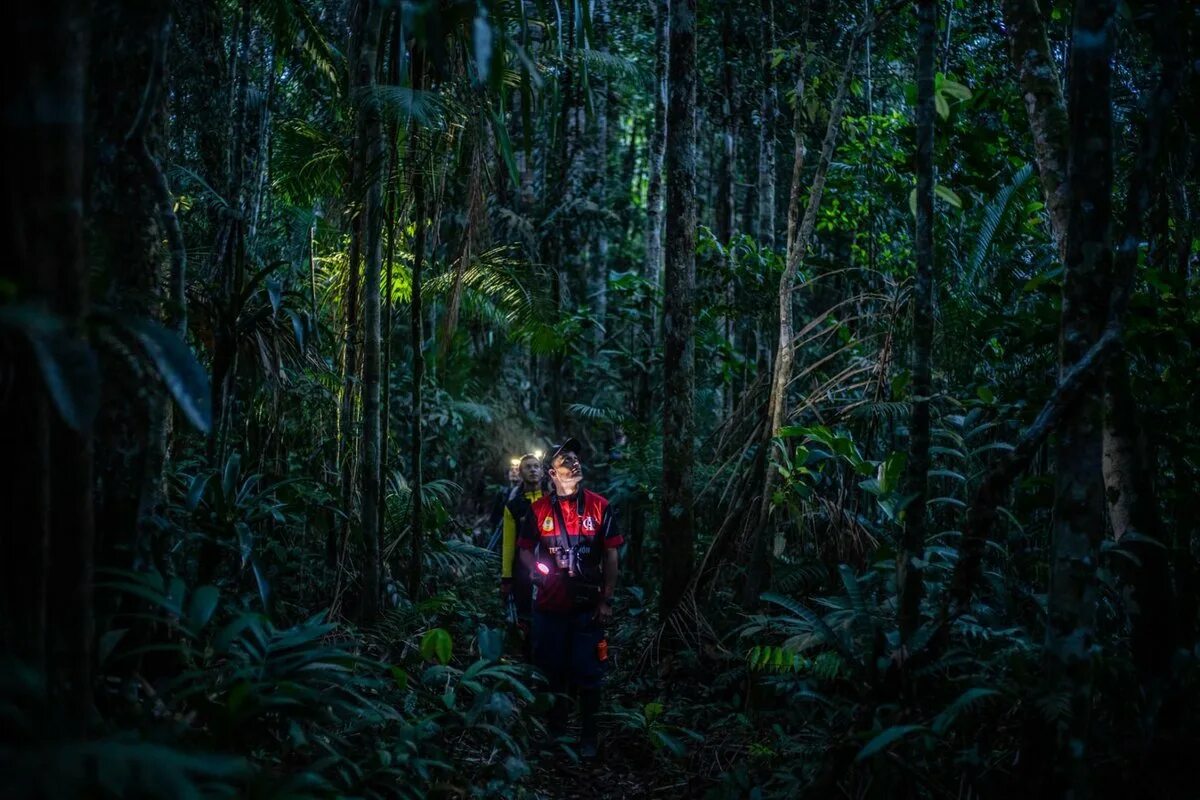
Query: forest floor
x=630, y=764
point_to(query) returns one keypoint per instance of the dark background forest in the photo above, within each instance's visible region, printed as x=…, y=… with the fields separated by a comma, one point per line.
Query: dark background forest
x=877, y=321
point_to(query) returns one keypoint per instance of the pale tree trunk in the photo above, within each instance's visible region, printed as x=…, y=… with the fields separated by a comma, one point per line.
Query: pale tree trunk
x=656, y=141
x=758, y=574
x=912, y=545
x=1078, y=523
x=652, y=267
x=1041, y=90
x=262, y=159
x=726, y=168
x=726, y=199
x=598, y=276
x=766, y=132
x=368, y=14
x=679, y=369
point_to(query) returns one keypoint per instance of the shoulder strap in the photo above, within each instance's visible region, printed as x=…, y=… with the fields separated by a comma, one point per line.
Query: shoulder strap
x=564, y=535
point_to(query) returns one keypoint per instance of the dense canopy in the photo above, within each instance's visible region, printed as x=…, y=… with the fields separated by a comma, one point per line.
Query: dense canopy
x=876, y=322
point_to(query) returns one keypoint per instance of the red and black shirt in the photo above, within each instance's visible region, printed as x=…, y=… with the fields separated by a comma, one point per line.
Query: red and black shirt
x=588, y=521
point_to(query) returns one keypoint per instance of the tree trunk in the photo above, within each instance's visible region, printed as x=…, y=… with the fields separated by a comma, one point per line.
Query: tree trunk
x=912, y=546
x=679, y=368
x=125, y=239
x=368, y=14
x=393, y=194
x=50, y=594
x=652, y=267
x=766, y=131
x=1078, y=522
x=1041, y=89
x=726, y=168
x=417, y=321
x=758, y=575
x=1128, y=472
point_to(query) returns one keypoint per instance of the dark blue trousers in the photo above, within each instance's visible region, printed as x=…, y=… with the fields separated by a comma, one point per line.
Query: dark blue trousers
x=564, y=649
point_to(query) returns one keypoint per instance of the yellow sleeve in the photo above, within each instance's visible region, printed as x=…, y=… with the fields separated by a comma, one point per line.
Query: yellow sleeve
x=508, y=548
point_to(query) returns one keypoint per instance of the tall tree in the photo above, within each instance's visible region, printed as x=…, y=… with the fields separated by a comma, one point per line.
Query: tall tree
x=368, y=15
x=48, y=587
x=766, y=129
x=727, y=165
x=800, y=232
x=416, y=177
x=1078, y=523
x=657, y=144
x=908, y=574
x=679, y=366
x=1041, y=90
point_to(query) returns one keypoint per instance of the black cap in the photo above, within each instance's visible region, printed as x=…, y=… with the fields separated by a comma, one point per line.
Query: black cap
x=571, y=445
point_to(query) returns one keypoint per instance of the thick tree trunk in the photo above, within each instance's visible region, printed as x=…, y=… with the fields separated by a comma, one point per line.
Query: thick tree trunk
x=679, y=369
x=127, y=193
x=1128, y=471
x=1041, y=89
x=1078, y=523
x=912, y=545
x=50, y=592
x=766, y=131
x=368, y=14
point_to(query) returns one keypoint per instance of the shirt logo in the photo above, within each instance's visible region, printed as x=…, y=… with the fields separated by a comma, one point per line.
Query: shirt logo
x=548, y=525
x=589, y=524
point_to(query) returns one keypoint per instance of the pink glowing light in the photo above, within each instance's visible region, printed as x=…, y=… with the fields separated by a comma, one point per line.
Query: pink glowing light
x=542, y=568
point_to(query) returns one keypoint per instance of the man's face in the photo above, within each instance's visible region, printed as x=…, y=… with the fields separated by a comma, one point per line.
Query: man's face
x=566, y=470
x=531, y=470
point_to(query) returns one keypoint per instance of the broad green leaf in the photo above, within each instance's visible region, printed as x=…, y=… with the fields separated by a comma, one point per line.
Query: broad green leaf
x=436, y=645
x=202, y=605
x=948, y=195
x=941, y=106
x=955, y=90
x=888, y=738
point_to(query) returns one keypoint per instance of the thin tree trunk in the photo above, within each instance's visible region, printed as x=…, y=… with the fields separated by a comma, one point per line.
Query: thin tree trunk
x=758, y=575
x=679, y=369
x=598, y=273
x=393, y=194
x=912, y=546
x=417, y=180
x=652, y=268
x=1041, y=89
x=726, y=168
x=369, y=15
x=766, y=131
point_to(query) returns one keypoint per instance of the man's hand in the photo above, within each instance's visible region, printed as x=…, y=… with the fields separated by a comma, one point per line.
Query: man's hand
x=604, y=612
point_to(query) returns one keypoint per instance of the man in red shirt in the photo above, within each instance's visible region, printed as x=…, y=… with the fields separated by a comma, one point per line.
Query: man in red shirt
x=569, y=544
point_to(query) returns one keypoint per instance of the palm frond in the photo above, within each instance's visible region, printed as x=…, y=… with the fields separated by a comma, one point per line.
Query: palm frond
x=993, y=215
